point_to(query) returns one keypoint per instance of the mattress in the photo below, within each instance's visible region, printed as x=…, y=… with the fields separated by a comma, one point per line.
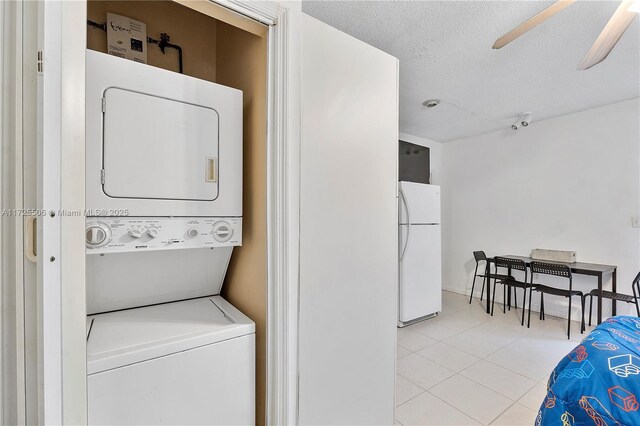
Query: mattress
x=598, y=382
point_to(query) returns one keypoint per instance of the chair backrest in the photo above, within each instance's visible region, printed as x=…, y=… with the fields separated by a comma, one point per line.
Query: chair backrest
x=511, y=264
x=508, y=262
x=635, y=286
x=557, y=269
x=479, y=256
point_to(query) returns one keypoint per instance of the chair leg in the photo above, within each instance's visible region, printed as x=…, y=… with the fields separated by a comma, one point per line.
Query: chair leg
x=582, y=326
x=504, y=298
x=530, y=297
x=473, y=283
x=590, y=307
x=569, y=320
x=637, y=307
x=541, y=301
x=524, y=301
x=482, y=292
x=515, y=297
x=493, y=299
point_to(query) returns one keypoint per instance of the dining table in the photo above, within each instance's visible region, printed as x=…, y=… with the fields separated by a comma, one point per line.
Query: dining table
x=579, y=268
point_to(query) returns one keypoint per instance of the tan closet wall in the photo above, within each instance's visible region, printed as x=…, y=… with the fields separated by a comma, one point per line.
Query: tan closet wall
x=226, y=48
x=194, y=32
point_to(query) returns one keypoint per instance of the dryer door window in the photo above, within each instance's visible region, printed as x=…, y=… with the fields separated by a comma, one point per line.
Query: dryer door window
x=158, y=148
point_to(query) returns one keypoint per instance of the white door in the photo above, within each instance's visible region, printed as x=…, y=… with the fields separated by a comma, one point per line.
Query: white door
x=420, y=271
x=348, y=229
x=158, y=148
x=419, y=203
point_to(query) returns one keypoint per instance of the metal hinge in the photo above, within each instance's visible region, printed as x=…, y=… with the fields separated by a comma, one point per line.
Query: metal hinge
x=102, y=176
x=40, y=62
x=104, y=104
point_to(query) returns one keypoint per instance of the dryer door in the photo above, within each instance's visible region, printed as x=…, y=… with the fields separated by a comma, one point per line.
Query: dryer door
x=158, y=148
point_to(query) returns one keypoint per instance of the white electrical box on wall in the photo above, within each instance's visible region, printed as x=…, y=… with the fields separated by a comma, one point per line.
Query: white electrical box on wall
x=160, y=143
x=126, y=38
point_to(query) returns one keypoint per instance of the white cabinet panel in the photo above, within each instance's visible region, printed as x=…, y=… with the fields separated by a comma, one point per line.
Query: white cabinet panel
x=348, y=229
x=180, y=389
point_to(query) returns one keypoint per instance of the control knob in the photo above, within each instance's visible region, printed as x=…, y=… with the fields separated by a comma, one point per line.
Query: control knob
x=192, y=232
x=222, y=231
x=135, y=233
x=152, y=232
x=97, y=234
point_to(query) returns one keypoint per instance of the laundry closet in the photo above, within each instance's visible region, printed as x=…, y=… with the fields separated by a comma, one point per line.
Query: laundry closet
x=176, y=165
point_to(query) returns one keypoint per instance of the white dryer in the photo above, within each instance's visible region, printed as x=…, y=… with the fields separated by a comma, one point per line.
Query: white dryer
x=187, y=362
x=160, y=143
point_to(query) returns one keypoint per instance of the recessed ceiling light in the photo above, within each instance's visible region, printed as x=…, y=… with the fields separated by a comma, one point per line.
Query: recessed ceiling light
x=430, y=103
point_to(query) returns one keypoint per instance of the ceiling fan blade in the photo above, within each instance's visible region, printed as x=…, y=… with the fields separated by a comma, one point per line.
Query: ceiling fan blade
x=619, y=22
x=532, y=22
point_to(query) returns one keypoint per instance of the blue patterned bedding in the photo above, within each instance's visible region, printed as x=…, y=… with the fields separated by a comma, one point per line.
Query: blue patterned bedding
x=597, y=383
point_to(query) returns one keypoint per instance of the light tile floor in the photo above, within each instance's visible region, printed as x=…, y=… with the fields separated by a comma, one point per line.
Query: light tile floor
x=465, y=367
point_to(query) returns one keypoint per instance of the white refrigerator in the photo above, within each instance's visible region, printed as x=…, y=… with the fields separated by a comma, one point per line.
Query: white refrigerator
x=420, y=252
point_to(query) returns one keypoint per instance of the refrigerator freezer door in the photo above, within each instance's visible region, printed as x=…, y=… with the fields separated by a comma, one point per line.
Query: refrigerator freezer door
x=421, y=203
x=420, y=272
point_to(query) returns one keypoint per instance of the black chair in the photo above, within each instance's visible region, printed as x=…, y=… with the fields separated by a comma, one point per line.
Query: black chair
x=511, y=283
x=618, y=297
x=479, y=256
x=558, y=270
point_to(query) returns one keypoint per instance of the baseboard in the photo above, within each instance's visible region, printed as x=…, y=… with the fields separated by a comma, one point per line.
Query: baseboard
x=457, y=291
x=553, y=309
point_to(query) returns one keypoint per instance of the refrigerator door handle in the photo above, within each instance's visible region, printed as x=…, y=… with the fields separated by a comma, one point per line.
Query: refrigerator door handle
x=406, y=206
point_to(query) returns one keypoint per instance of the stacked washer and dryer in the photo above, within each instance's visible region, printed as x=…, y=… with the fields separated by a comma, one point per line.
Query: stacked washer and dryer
x=164, y=200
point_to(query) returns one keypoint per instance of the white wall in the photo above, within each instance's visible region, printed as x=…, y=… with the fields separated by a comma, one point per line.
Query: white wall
x=435, y=153
x=568, y=183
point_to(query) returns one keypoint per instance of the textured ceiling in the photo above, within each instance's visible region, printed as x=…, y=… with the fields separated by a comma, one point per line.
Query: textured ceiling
x=444, y=48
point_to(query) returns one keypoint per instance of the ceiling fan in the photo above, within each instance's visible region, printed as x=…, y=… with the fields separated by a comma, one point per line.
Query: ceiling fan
x=619, y=22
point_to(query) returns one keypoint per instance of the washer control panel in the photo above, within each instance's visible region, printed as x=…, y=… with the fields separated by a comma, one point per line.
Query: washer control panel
x=130, y=234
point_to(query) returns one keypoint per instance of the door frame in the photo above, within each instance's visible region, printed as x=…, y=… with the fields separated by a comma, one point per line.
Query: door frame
x=12, y=396
x=283, y=203
x=62, y=301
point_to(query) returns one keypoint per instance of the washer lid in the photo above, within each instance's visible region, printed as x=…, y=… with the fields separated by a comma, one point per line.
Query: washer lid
x=126, y=337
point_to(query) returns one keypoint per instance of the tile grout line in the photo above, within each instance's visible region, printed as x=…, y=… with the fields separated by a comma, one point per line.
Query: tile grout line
x=442, y=365
x=485, y=322
x=514, y=402
x=455, y=408
x=489, y=389
x=487, y=360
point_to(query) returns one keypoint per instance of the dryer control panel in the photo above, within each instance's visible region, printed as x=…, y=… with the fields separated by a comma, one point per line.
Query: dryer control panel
x=131, y=234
